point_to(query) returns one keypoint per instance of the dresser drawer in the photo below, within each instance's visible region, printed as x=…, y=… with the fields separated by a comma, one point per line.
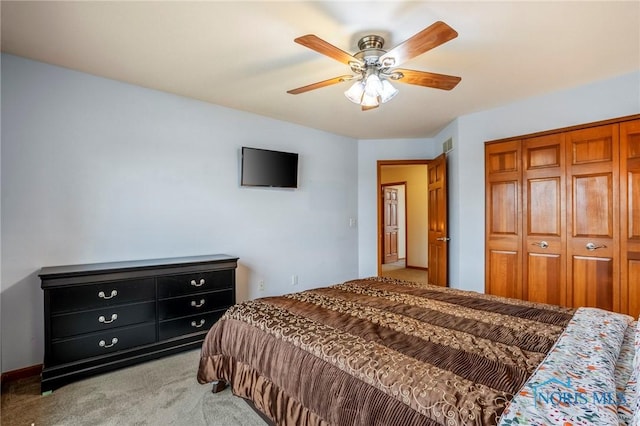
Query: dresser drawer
x=187, y=325
x=194, y=304
x=70, y=324
x=177, y=285
x=102, y=294
x=105, y=342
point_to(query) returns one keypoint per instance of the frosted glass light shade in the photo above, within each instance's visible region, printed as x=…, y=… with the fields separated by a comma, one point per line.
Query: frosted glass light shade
x=355, y=92
x=373, y=85
x=369, y=100
x=371, y=91
x=388, y=91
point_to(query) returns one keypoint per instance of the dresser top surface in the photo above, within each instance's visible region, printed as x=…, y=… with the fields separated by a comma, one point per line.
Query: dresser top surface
x=106, y=267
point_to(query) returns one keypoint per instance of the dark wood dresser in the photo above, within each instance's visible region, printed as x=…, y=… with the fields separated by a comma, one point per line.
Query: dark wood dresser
x=104, y=316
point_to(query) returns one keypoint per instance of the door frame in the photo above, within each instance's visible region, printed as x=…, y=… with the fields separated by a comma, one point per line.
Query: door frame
x=379, y=165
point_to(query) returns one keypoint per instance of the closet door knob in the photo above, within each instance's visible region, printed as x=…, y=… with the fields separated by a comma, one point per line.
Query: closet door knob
x=592, y=246
x=541, y=244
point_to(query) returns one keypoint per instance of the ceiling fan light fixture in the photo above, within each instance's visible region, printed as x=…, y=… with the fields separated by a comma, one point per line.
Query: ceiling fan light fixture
x=388, y=92
x=373, y=85
x=355, y=92
x=374, y=67
x=370, y=100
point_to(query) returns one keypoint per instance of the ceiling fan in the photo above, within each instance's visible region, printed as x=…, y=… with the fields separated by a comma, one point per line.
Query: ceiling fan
x=374, y=67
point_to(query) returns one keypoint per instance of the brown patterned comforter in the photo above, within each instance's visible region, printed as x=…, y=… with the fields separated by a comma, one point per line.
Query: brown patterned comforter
x=378, y=351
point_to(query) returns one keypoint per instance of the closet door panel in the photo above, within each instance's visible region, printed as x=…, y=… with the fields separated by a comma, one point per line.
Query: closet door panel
x=593, y=205
x=503, y=213
x=593, y=282
x=503, y=272
x=544, y=219
x=630, y=216
x=544, y=278
x=593, y=208
x=544, y=214
x=503, y=207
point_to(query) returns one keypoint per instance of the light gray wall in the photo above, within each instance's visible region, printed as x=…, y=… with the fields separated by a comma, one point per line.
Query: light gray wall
x=95, y=170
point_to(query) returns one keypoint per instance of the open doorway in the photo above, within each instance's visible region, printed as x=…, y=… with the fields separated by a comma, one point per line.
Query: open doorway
x=404, y=219
x=425, y=244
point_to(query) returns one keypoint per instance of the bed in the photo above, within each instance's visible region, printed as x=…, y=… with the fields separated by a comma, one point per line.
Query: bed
x=380, y=351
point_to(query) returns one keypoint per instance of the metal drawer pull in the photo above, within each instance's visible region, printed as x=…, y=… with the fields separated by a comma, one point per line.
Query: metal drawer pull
x=197, y=284
x=592, y=247
x=443, y=239
x=541, y=244
x=103, y=320
x=196, y=304
x=114, y=293
x=103, y=344
x=196, y=325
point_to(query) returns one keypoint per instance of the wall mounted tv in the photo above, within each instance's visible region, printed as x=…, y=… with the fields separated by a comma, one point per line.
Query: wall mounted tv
x=263, y=167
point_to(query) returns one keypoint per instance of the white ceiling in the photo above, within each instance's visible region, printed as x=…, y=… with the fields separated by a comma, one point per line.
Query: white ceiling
x=241, y=54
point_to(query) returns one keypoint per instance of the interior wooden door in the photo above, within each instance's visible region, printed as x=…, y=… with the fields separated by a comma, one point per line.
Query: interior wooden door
x=630, y=216
x=544, y=194
x=503, y=228
x=438, y=237
x=593, y=206
x=390, y=220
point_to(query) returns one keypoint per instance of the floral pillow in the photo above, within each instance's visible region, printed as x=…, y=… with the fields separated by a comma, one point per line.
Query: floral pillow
x=633, y=381
x=627, y=371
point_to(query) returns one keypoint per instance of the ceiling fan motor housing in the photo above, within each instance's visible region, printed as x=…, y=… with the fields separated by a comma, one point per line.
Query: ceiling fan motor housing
x=370, y=50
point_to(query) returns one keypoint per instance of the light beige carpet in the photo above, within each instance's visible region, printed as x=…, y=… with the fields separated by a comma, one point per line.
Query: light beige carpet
x=161, y=392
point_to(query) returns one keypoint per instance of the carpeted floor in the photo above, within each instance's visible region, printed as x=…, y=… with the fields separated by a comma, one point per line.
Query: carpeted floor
x=399, y=271
x=161, y=392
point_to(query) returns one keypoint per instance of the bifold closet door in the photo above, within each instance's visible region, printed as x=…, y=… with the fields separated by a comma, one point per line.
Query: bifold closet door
x=593, y=212
x=503, y=215
x=544, y=194
x=630, y=216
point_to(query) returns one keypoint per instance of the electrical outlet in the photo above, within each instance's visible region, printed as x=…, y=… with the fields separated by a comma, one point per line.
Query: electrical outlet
x=294, y=280
x=261, y=285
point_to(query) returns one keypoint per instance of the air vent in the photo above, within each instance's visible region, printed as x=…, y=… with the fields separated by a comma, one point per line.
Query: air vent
x=447, y=145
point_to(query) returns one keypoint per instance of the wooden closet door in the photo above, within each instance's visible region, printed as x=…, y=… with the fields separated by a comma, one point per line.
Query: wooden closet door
x=544, y=194
x=593, y=206
x=630, y=216
x=503, y=227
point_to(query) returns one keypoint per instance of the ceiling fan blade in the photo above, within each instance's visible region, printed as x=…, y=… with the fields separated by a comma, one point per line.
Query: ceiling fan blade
x=320, y=84
x=432, y=36
x=316, y=43
x=428, y=79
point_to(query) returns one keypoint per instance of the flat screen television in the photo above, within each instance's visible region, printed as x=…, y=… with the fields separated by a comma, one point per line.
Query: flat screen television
x=263, y=167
